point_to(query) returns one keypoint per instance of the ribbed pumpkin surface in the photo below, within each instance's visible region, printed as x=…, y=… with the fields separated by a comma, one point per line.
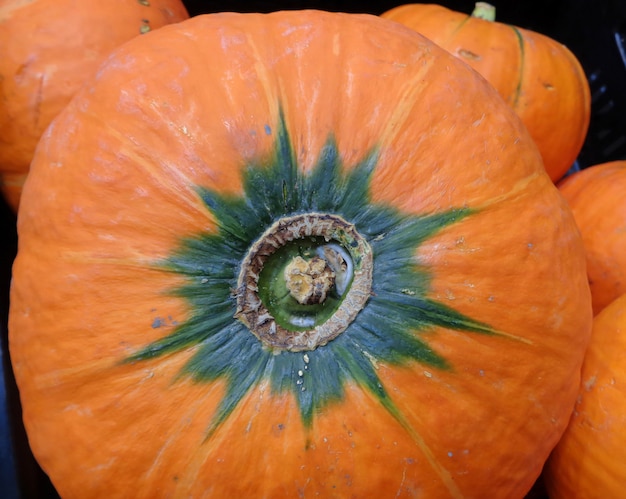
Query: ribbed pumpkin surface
x=157, y=340
x=589, y=460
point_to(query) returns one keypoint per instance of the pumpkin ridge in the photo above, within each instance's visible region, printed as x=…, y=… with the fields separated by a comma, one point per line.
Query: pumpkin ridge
x=518, y=88
x=459, y=27
x=151, y=164
x=413, y=87
x=383, y=398
x=443, y=474
x=387, y=329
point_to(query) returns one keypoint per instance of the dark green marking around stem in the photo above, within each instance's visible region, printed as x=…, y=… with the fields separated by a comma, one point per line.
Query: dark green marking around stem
x=388, y=329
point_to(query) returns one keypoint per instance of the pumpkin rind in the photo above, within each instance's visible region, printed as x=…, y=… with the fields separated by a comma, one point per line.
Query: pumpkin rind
x=48, y=48
x=541, y=79
x=150, y=187
x=596, y=198
x=588, y=461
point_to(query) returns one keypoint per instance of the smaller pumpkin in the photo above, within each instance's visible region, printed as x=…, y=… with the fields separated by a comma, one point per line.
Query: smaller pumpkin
x=588, y=462
x=541, y=79
x=48, y=48
x=596, y=197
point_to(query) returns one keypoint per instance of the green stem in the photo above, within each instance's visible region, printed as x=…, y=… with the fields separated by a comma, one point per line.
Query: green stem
x=484, y=10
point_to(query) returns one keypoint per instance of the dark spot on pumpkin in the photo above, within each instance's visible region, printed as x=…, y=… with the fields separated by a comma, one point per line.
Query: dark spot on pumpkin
x=268, y=130
x=145, y=26
x=157, y=322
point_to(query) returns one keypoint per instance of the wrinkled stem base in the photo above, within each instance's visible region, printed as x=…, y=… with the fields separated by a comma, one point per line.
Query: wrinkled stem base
x=343, y=260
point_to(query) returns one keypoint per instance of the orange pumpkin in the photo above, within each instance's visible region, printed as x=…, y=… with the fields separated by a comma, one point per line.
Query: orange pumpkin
x=240, y=276
x=540, y=78
x=48, y=48
x=596, y=197
x=589, y=460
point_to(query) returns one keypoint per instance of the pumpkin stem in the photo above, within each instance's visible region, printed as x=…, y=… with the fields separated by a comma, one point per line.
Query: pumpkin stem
x=484, y=10
x=304, y=281
x=309, y=281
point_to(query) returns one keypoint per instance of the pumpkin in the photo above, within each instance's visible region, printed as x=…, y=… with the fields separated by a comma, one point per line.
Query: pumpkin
x=596, y=198
x=241, y=276
x=541, y=79
x=47, y=49
x=588, y=461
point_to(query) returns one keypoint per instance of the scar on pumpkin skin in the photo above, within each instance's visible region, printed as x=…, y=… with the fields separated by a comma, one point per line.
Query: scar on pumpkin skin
x=145, y=27
x=468, y=54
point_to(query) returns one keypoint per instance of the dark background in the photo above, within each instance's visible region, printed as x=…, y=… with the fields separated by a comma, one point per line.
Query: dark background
x=594, y=30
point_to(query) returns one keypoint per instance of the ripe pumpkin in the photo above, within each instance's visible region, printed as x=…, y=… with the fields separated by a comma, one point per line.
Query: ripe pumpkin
x=588, y=461
x=541, y=79
x=240, y=276
x=48, y=48
x=596, y=198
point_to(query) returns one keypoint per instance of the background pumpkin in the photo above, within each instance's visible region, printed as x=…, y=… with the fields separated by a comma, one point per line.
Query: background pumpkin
x=596, y=197
x=589, y=460
x=540, y=78
x=48, y=48
x=145, y=197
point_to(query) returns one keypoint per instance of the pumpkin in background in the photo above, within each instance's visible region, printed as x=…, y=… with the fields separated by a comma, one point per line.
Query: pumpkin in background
x=589, y=460
x=239, y=276
x=48, y=48
x=596, y=198
x=540, y=78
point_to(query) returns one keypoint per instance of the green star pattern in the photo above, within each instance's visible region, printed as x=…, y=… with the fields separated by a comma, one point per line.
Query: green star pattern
x=387, y=330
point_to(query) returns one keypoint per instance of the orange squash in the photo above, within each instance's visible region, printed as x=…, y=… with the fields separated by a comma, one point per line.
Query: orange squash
x=241, y=276
x=541, y=79
x=596, y=198
x=589, y=460
x=48, y=48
